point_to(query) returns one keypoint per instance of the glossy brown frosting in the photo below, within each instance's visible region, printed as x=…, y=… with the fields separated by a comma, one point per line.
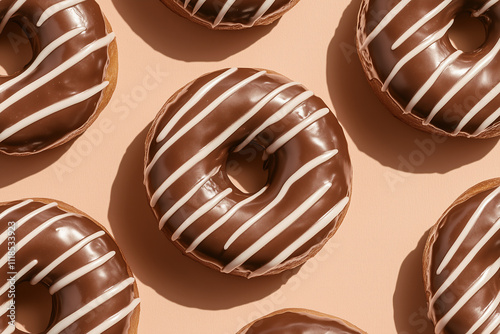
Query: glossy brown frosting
x=297, y=321
x=422, y=78
x=309, y=184
x=58, y=93
x=229, y=14
x=462, y=261
x=78, y=262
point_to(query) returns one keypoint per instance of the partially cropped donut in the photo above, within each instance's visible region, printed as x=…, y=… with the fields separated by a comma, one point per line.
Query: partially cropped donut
x=298, y=321
x=462, y=264
x=51, y=243
x=420, y=76
x=69, y=80
x=263, y=115
x=231, y=14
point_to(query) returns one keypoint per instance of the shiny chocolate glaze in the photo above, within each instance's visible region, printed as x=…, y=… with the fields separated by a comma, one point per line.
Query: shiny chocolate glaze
x=405, y=50
x=300, y=322
x=461, y=265
x=309, y=183
x=232, y=13
x=75, y=259
x=55, y=96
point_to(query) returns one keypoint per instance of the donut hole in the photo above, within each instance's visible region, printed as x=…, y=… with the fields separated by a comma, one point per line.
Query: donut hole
x=247, y=169
x=15, y=49
x=33, y=307
x=468, y=33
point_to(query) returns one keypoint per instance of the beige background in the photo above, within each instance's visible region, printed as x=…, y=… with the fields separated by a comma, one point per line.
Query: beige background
x=369, y=273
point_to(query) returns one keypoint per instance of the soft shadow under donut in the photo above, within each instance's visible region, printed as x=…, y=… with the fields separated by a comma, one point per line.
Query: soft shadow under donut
x=410, y=305
x=16, y=168
x=178, y=38
x=373, y=128
x=155, y=260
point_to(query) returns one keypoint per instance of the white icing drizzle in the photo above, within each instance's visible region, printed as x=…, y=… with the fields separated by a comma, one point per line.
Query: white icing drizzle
x=265, y=100
x=431, y=81
x=277, y=229
x=27, y=217
x=492, y=326
x=80, y=272
x=24, y=270
x=223, y=12
x=305, y=237
x=71, y=277
x=296, y=130
x=14, y=208
x=192, y=101
x=202, y=210
x=487, y=122
x=464, y=263
x=197, y=6
x=201, y=115
x=21, y=243
x=466, y=230
x=261, y=11
x=9, y=330
x=222, y=220
x=477, y=108
x=420, y=23
x=80, y=55
x=479, y=66
x=5, y=307
x=410, y=55
x=60, y=6
x=425, y=88
x=82, y=243
x=110, y=293
x=52, y=109
x=385, y=21
x=227, y=6
x=115, y=318
x=42, y=56
x=489, y=273
x=486, y=314
x=306, y=168
x=277, y=116
x=203, y=153
x=184, y=199
x=12, y=10
x=483, y=9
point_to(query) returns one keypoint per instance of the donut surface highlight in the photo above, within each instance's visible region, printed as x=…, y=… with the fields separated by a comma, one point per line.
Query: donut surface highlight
x=69, y=80
x=462, y=263
x=300, y=321
x=93, y=290
x=231, y=14
x=418, y=74
x=302, y=146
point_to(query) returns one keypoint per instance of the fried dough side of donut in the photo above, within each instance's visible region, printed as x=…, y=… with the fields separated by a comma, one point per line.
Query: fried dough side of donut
x=424, y=85
x=154, y=168
x=66, y=85
x=131, y=318
x=434, y=234
x=264, y=20
x=111, y=76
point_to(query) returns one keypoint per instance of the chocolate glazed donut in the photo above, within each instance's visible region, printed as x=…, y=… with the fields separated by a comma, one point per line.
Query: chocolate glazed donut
x=51, y=243
x=462, y=262
x=68, y=82
x=231, y=14
x=206, y=216
x=420, y=76
x=293, y=321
